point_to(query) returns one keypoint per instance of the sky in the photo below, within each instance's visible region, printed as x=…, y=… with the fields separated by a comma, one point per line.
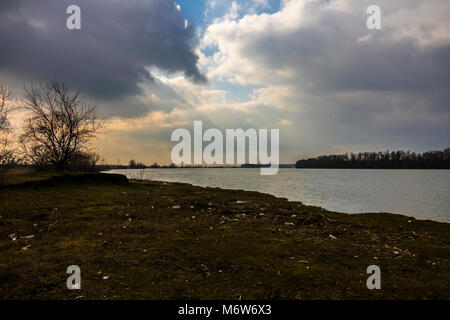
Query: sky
x=310, y=68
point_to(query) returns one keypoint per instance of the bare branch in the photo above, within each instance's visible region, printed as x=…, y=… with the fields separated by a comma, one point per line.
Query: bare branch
x=6, y=152
x=59, y=126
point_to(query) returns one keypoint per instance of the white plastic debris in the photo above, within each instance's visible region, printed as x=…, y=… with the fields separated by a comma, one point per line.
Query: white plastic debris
x=333, y=237
x=176, y=207
x=12, y=237
x=26, y=247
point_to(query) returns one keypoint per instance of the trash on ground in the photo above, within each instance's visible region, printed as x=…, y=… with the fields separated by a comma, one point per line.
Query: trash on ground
x=26, y=247
x=12, y=237
x=333, y=237
x=176, y=207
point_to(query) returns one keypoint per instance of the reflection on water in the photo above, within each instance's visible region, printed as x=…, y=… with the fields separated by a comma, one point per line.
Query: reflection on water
x=423, y=194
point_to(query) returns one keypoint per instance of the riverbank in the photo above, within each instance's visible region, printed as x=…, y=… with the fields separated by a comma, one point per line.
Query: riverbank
x=157, y=240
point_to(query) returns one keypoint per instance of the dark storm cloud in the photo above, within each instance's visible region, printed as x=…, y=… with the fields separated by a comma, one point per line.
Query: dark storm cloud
x=108, y=57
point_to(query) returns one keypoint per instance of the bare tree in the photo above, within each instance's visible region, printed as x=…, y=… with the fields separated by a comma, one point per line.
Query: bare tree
x=58, y=126
x=6, y=151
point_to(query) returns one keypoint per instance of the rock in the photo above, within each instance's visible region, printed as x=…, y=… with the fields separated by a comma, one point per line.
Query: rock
x=303, y=261
x=290, y=224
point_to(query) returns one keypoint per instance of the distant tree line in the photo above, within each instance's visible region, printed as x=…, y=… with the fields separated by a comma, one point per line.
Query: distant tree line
x=380, y=160
x=133, y=164
x=136, y=165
